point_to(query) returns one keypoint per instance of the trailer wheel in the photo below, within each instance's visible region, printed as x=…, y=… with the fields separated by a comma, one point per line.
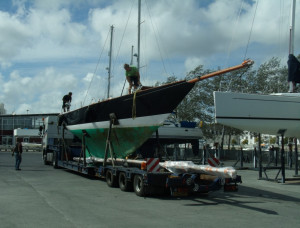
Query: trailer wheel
x=138, y=185
x=45, y=158
x=55, y=160
x=124, y=184
x=111, y=179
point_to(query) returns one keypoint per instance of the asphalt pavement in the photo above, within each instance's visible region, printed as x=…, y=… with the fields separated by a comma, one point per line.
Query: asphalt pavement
x=40, y=196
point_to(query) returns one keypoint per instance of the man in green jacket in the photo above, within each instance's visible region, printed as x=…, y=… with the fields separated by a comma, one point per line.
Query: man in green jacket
x=132, y=77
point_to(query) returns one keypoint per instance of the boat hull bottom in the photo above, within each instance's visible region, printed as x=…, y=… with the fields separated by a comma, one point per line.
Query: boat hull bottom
x=125, y=141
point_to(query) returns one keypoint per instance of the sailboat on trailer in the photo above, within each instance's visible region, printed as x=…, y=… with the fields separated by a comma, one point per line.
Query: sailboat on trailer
x=135, y=116
x=268, y=114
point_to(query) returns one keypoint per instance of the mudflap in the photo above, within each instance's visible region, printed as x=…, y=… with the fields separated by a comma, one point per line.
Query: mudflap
x=186, y=184
x=155, y=184
x=231, y=185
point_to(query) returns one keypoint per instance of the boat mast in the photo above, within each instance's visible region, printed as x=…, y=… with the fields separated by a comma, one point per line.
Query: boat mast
x=131, y=61
x=139, y=34
x=292, y=27
x=110, y=55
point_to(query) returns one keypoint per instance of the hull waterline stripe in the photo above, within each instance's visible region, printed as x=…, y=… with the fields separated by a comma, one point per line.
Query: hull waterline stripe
x=256, y=118
x=267, y=100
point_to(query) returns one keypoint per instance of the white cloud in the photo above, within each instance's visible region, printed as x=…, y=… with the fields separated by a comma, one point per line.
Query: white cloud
x=52, y=47
x=14, y=35
x=193, y=62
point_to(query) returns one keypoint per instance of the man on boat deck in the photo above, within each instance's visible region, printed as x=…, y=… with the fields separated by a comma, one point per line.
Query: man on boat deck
x=132, y=76
x=67, y=101
x=293, y=73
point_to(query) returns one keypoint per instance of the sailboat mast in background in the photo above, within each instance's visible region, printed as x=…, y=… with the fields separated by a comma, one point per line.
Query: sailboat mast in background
x=292, y=27
x=139, y=35
x=110, y=55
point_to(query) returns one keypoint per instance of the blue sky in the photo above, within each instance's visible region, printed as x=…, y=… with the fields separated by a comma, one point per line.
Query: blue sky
x=51, y=47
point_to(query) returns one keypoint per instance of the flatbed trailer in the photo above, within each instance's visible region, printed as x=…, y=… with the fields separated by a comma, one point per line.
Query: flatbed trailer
x=128, y=174
x=132, y=175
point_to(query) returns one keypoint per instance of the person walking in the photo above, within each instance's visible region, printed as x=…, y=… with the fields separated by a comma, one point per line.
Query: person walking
x=17, y=152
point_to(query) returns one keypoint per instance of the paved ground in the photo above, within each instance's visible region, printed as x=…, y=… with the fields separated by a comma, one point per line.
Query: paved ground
x=40, y=196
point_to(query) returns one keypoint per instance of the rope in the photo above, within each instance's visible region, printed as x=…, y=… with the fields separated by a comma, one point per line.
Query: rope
x=118, y=52
x=251, y=30
x=123, y=87
x=112, y=70
x=134, y=105
x=241, y=7
x=231, y=41
x=156, y=39
x=241, y=75
x=234, y=32
x=96, y=67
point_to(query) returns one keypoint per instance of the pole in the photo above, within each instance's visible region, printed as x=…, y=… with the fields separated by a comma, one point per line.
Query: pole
x=139, y=35
x=254, y=158
x=282, y=159
x=107, y=146
x=84, y=148
x=242, y=158
x=292, y=27
x=110, y=56
x=131, y=61
x=204, y=155
x=296, y=157
x=260, y=156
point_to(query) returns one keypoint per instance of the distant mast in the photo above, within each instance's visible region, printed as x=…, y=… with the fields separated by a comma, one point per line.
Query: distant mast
x=139, y=34
x=292, y=27
x=110, y=55
x=291, y=83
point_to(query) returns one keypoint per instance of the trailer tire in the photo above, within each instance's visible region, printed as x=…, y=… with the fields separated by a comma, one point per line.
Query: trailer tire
x=138, y=185
x=111, y=179
x=55, y=160
x=45, y=158
x=124, y=184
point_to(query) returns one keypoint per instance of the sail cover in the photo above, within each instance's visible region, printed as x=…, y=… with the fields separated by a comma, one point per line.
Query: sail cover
x=293, y=69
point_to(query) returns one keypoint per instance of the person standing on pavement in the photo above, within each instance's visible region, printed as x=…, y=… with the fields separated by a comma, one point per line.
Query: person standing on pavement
x=18, y=155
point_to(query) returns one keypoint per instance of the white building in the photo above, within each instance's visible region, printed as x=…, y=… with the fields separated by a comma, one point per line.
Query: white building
x=2, y=109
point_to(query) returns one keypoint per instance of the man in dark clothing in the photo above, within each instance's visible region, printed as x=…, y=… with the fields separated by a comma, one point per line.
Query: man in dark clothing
x=18, y=155
x=67, y=99
x=293, y=72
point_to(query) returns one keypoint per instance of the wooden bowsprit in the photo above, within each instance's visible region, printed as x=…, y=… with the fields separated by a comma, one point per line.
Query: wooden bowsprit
x=246, y=63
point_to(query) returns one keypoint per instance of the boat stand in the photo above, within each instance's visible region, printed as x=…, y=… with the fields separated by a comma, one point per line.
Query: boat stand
x=241, y=159
x=113, y=121
x=84, y=147
x=64, y=146
x=280, y=168
x=296, y=158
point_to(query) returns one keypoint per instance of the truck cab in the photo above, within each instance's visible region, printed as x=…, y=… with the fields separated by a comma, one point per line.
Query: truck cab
x=52, y=135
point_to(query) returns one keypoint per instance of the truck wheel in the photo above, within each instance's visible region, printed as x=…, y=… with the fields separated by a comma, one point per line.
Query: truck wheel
x=124, y=184
x=45, y=158
x=111, y=179
x=138, y=185
x=54, y=160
